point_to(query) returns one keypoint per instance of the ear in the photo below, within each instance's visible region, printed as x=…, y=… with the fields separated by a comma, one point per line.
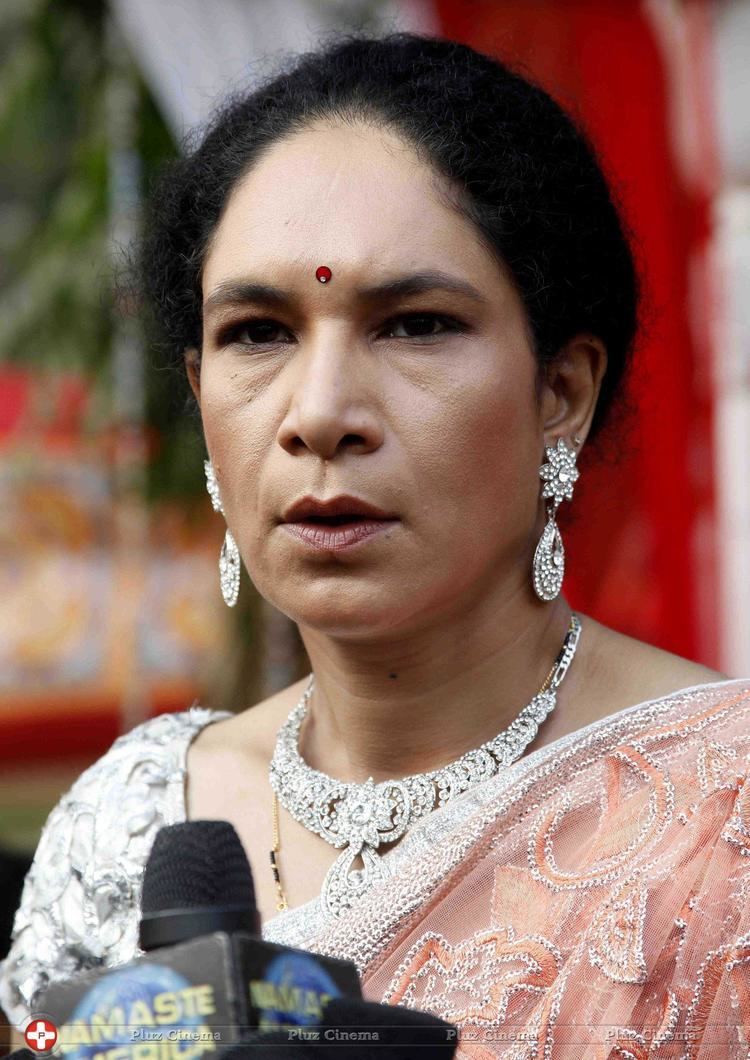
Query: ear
x=193, y=369
x=571, y=388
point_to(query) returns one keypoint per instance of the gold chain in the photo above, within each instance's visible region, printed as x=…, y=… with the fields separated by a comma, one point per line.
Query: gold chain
x=548, y=678
x=281, y=904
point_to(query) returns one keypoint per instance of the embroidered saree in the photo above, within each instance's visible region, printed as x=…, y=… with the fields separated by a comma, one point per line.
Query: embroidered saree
x=591, y=901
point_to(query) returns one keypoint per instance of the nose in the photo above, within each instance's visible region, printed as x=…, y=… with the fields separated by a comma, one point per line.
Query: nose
x=333, y=404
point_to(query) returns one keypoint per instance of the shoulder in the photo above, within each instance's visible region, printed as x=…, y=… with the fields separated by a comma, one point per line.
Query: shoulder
x=239, y=751
x=79, y=904
x=151, y=755
x=249, y=735
x=631, y=671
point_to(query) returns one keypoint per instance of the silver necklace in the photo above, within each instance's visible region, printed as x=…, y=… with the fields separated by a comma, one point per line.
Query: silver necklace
x=362, y=816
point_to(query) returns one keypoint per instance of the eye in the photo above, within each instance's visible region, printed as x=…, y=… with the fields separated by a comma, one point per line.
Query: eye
x=422, y=324
x=262, y=330
x=266, y=331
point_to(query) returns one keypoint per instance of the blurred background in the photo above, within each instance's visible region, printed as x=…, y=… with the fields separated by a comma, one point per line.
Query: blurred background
x=110, y=610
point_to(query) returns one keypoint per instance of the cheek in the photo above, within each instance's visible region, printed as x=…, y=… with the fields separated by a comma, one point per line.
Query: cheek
x=484, y=451
x=232, y=426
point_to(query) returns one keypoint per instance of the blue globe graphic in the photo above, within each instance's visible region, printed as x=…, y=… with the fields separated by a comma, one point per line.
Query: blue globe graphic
x=295, y=970
x=120, y=990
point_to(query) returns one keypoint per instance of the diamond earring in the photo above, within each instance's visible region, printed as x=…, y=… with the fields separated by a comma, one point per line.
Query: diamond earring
x=560, y=474
x=229, y=558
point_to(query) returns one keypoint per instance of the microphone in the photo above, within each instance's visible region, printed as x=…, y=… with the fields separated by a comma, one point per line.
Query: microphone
x=206, y=978
x=197, y=880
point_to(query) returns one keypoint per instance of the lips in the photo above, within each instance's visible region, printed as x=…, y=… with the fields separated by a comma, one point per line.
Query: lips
x=332, y=520
x=337, y=525
x=335, y=511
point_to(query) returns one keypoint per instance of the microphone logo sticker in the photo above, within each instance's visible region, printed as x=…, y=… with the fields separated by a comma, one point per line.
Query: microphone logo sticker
x=293, y=992
x=142, y=1011
x=41, y=1034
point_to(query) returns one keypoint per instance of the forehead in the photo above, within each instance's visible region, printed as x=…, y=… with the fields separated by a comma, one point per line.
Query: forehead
x=353, y=197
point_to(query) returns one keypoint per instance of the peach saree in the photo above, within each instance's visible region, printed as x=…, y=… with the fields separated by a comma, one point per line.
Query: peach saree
x=591, y=901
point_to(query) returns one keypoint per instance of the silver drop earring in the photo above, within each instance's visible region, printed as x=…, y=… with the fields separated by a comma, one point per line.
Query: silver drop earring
x=560, y=474
x=229, y=558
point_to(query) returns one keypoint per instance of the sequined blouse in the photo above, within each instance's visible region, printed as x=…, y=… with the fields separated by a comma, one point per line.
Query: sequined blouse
x=597, y=891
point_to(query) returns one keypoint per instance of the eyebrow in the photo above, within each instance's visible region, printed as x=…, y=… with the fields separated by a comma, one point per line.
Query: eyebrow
x=233, y=293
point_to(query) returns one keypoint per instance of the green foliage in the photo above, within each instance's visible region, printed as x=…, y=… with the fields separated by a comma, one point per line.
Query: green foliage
x=57, y=264
x=53, y=188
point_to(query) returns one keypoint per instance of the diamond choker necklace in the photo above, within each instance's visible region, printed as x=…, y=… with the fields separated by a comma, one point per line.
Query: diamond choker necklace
x=361, y=817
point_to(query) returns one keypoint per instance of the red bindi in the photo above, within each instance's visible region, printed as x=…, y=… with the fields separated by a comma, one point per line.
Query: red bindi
x=323, y=273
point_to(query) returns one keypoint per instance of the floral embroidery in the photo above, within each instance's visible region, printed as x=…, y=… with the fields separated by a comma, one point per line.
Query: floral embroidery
x=490, y=968
x=716, y=765
x=592, y=872
x=80, y=902
x=734, y=958
x=592, y=900
x=617, y=933
x=737, y=830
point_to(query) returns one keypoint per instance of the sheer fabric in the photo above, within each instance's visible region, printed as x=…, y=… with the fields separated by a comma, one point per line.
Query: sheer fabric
x=591, y=901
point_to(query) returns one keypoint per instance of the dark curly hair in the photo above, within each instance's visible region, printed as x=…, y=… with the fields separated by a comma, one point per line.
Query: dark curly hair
x=523, y=172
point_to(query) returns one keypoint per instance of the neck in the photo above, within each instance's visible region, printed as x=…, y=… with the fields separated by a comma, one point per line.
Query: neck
x=410, y=704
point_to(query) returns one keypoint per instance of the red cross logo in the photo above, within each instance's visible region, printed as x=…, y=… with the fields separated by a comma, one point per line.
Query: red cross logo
x=41, y=1035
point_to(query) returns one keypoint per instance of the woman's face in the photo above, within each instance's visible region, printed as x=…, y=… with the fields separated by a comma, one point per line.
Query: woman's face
x=422, y=404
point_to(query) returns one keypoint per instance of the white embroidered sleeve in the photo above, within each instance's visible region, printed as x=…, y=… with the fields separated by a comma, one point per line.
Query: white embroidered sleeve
x=80, y=905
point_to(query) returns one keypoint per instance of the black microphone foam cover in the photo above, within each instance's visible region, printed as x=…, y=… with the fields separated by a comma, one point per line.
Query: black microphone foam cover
x=197, y=864
x=197, y=881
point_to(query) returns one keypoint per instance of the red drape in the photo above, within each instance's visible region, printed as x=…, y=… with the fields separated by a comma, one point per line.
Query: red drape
x=641, y=543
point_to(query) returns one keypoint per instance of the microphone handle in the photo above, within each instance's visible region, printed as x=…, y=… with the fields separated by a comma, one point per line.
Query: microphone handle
x=351, y=1027
x=211, y=989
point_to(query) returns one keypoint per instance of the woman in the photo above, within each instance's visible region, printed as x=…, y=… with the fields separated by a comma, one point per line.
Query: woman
x=397, y=278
